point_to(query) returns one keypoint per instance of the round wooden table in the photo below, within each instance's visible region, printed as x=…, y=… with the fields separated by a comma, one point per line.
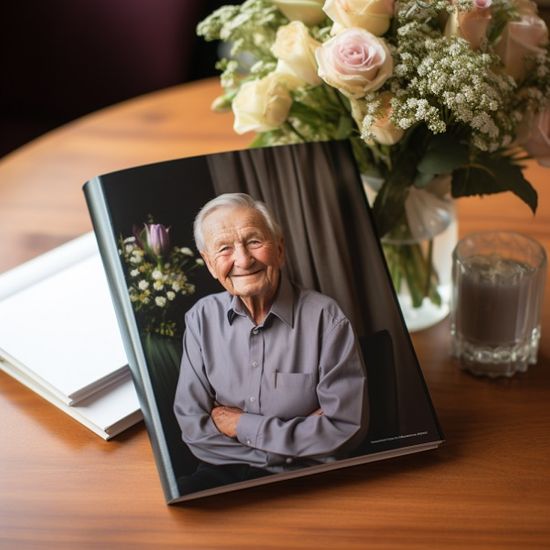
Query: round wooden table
x=63, y=487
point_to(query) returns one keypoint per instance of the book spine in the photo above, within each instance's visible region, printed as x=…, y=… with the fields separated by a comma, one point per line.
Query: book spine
x=108, y=248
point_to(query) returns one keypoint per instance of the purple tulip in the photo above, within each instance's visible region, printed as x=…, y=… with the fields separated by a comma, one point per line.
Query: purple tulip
x=157, y=238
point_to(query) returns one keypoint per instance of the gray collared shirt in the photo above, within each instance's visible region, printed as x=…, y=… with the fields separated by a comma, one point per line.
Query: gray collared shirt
x=302, y=358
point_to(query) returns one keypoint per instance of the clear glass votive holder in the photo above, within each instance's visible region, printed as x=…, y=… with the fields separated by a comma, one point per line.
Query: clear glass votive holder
x=498, y=283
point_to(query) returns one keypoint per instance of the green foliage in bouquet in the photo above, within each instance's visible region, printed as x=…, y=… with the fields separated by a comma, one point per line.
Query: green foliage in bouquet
x=158, y=277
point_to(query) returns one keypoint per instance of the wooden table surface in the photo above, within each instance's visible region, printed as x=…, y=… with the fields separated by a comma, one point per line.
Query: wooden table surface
x=61, y=486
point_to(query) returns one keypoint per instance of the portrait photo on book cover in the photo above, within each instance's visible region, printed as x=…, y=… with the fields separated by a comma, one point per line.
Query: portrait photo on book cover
x=273, y=344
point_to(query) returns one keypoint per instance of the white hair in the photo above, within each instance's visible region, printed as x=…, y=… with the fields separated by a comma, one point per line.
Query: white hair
x=233, y=200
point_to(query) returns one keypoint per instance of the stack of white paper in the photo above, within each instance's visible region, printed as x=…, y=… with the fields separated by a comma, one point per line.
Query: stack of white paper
x=59, y=336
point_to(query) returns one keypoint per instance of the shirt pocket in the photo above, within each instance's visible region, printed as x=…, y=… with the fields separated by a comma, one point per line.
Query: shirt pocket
x=294, y=379
x=294, y=394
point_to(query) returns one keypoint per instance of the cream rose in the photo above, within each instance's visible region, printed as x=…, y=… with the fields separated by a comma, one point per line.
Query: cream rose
x=261, y=105
x=309, y=12
x=383, y=129
x=295, y=50
x=537, y=136
x=371, y=15
x=519, y=40
x=471, y=25
x=354, y=61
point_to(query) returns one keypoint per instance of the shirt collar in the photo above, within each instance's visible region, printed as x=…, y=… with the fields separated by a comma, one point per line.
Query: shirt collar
x=282, y=307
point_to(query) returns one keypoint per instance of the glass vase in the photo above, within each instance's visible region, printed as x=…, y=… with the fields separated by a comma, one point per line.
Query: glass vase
x=418, y=252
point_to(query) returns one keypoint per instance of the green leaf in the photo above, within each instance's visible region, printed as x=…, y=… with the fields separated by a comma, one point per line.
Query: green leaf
x=488, y=175
x=345, y=127
x=263, y=139
x=444, y=154
x=422, y=179
x=306, y=114
x=389, y=205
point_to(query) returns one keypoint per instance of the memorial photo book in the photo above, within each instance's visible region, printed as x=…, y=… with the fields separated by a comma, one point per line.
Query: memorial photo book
x=59, y=337
x=268, y=343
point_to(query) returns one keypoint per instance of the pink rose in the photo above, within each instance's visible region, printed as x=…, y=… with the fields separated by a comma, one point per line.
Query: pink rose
x=471, y=25
x=537, y=141
x=355, y=62
x=519, y=40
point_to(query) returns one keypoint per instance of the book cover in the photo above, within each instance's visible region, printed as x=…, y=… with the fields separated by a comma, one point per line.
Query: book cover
x=143, y=218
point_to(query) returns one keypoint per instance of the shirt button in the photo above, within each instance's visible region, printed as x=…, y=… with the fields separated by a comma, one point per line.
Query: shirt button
x=254, y=364
x=252, y=399
x=288, y=460
x=248, y=442
x=255, y=331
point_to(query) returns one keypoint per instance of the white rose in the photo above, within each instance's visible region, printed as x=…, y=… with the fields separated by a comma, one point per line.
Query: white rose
x=371, y=15
x=143, y=285
x=471, y=25
x=262, y=105
x=355, y=61
x=535, y=132
x=383, y=129
x=519, y=40
x=160, y=301
x=309, y=12
x=170, y=295
x=295, y=50
x=157, y=274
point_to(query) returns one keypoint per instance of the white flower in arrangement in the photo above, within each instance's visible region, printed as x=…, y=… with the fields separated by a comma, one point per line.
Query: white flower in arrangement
x=155, y=267
x=199, y=262
x=143, y=285
x=160, y=301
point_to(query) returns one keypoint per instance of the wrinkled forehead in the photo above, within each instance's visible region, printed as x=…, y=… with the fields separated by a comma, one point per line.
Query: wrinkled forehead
x=232, y=220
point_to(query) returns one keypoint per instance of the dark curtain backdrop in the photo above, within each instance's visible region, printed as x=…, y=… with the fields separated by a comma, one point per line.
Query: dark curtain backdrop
x=316, y=194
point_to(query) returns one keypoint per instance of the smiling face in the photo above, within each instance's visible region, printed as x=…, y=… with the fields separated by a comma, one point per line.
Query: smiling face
x=242, y=254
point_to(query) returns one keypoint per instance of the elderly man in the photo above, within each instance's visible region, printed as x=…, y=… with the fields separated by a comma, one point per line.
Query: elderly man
x=271, y=376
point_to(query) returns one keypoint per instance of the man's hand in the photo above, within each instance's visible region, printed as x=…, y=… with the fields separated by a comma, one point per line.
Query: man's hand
x=226, y=419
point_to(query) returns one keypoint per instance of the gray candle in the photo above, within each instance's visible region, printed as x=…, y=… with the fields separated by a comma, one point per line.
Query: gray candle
x=498, y=278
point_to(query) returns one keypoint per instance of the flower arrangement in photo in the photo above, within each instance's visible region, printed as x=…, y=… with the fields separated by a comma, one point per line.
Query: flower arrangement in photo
x=158, y=276
x=421, y=88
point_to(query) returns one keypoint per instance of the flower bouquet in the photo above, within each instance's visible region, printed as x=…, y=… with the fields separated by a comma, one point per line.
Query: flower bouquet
x=158, y=277
x=439, y=98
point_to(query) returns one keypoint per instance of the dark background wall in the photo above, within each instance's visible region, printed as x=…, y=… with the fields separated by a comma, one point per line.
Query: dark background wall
x=61, y=59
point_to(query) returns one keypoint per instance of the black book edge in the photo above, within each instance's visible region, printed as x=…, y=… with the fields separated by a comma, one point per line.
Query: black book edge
x=103, y=229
